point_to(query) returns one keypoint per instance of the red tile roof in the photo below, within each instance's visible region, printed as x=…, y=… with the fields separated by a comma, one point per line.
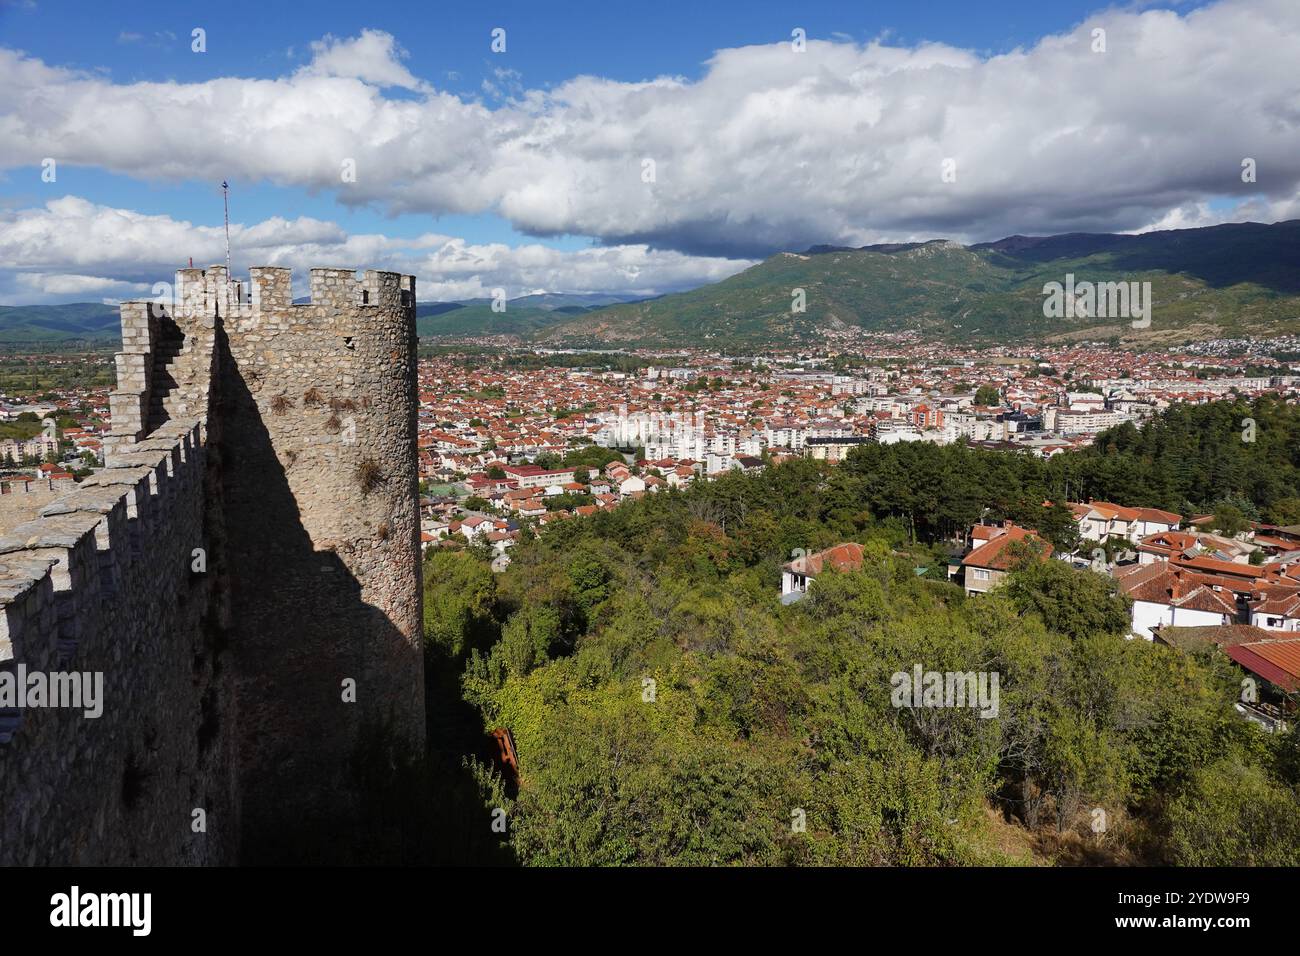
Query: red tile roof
x=842, y=557
x=1280, y=599
x=1277, y=661
x=1163, y=583
x=996, y=554
x=1213, y=566
x=1110, y=511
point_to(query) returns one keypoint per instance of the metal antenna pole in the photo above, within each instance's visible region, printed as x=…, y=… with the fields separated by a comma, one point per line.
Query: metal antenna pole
x=225, y=199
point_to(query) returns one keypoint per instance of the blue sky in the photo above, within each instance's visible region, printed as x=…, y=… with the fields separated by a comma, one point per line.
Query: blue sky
x=448, y=44
x=539, y=147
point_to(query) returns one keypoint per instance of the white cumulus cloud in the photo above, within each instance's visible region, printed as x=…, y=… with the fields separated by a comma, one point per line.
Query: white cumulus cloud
x=71, y=249
x=767, y=149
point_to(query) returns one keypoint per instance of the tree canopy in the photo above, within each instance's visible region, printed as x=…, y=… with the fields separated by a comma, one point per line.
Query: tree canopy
x=668, y=709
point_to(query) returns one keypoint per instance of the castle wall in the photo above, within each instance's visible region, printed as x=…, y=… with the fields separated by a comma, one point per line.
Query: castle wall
x=102, y=582
x=280, y=439
x=21, y=500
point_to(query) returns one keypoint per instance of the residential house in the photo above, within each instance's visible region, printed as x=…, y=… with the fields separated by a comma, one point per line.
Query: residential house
x=1153, y=521
x=1270, y=661
x=1275, y=662
x=989, y=562
x=680, y=476
x=1165, y=595
x=1102, y=520
x=798, y=574
x=1276, y=607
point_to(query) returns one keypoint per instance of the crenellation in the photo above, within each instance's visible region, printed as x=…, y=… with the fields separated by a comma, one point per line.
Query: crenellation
x=136, y=484
x=387, y=290
x=132, y=372
x=272, y=288
x=216, y=291
x=77, y=593
x=26, y=623
x=333, y=288
x=25, y=585
x=190, y=292
x=35, y=486
x=70, y=540
x=139, y=324
x=128, y=411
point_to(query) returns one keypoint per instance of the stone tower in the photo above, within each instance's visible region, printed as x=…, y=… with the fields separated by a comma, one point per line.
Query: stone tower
x=320, y=481
x=312, y=500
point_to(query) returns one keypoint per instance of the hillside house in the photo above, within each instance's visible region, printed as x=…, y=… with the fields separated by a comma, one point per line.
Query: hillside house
x=1166, y=595
x=797, y=575
x=1101, y=520
x=993, y=556
x=1276, y=607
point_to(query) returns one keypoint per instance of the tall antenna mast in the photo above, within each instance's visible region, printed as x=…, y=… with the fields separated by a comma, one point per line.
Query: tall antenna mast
x=225, y=199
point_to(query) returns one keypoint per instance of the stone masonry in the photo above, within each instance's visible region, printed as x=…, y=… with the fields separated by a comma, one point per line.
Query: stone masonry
x=244, y=573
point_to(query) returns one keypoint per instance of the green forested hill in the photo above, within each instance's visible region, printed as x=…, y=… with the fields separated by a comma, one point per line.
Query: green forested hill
x=522, y=316
x=95, y=322
x=91, y=321
x=667, y=709
x=1228, y=280
x=1221, y=280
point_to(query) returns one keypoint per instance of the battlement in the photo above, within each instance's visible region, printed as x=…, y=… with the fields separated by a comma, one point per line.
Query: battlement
x=85, y=544
x=210, y=293
x=101, y=583
x=255, y=536
x=34, y=486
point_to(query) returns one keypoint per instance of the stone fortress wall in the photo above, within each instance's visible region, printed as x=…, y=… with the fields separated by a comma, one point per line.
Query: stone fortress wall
x=244, y=574
x=21, y=500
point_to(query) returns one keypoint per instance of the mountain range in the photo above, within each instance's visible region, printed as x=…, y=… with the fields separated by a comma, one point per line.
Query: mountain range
x=1219, y=281
x=523, y=316
x=98, y=324
x=1211, y=282
x=90, y=322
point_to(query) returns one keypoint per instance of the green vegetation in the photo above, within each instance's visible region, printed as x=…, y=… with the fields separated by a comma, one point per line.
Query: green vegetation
x=590, y=457
x=566, y=501
x=668, y=709
x=36, y=375
x=599, y=361
x=23, y=427
x=77, y=324
x=521, y=316
x=477, y=318
x=1226, y=280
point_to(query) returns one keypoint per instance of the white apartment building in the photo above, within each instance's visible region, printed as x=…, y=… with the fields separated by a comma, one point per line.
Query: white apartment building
x=1067, y=421
x=784, y=436
x=967, y=425
x=891, y=433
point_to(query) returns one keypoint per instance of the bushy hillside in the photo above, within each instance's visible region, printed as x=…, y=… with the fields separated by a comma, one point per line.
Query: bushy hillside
x=1221, y=280
x=522, y=316
x=668, y=709
x=88, y=321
